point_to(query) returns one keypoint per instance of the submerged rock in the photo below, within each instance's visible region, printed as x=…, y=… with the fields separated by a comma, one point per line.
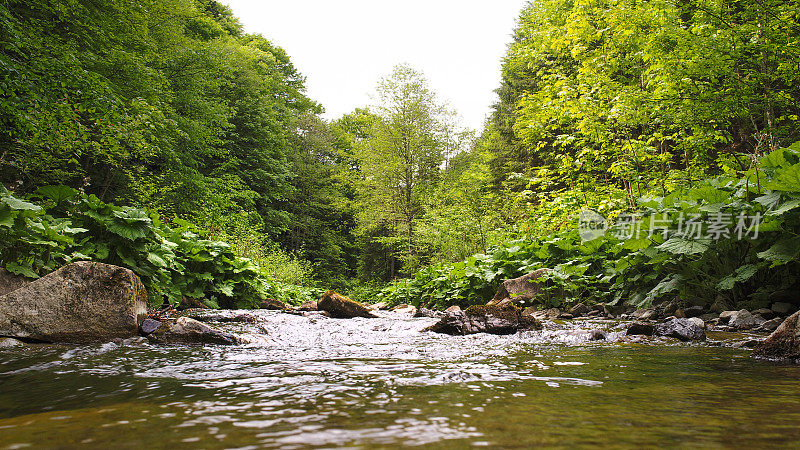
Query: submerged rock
x=492, y=319
x=82, y=302
x=783, y=343
x=597, y=335
x=682, y=329
x=221, y=316
x=341, y=307
x=189, y=331
x=517, y=290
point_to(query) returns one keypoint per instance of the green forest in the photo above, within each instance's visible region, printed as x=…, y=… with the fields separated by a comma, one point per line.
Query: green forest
x=161, y=137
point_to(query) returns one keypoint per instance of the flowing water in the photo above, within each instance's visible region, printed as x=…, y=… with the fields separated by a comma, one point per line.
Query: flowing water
x=318, y=382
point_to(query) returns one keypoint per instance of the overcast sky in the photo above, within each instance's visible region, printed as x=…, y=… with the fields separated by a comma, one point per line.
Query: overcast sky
x=343, y=47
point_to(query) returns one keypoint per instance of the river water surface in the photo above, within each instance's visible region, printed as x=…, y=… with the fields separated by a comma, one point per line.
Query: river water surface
x=318, y=382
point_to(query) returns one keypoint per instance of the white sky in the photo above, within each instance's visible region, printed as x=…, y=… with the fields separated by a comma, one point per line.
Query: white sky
x=344, y=47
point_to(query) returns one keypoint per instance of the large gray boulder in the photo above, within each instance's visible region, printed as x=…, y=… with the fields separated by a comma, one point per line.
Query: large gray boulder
x=743, y=320
x=341, y=307
x=519, y=290
x=10, y=282
x=82, y=302
x=682, y=329
x=783, y=343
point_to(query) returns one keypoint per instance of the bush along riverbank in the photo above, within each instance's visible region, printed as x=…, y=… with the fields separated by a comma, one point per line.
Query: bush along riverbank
x=725, y=243
x=58, y=225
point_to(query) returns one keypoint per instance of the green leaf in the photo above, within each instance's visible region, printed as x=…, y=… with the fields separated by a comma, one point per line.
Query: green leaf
x=776, y=159
x=678, y=246
x=20, y=205
x=786, y=179
x=783, y=251
x=669, y=284
x=741, y=275
x=57, y=193
x=156, y=260
x=18, y=269
x=785, y=207
x=6, y=216
x=710, y=195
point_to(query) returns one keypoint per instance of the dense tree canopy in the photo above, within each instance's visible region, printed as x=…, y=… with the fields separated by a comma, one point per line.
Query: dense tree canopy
x=160, y=112
x=645, y=92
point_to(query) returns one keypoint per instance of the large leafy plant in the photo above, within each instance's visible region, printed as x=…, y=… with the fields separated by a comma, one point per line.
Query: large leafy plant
x=743, y=251
x=58, y=225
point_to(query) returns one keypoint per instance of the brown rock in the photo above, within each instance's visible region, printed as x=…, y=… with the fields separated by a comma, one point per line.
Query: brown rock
x=341, y=307
x=492, y=319
x=272, y=304
x=580, y=310
x=783, y=343
x=189, y=331
x=82, y=302
x=190, y=303
x=520, y=289
x=641, y=329
x=597, y=335
x=309, y=306
x=454, y=308
x=407, y=309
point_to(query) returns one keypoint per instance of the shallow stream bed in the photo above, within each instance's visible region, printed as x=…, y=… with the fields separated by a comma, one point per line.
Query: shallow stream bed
x=317, y=382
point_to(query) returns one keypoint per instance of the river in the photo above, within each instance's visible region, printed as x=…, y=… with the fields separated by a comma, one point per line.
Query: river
x=370, y=383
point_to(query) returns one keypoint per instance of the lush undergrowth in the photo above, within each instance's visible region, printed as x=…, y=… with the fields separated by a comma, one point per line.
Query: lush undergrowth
x=59, y=225
x=731, y=240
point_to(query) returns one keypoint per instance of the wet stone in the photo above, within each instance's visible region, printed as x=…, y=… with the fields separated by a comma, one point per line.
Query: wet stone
x=425, y=312
x=10, y=343
x=579, y=310
x=641, y=329
x=681, y=329
x=770, y=325
x=766, y=313
x=597, y=335
x=645, y=314
x=341, y=307
x=693, y=311
x=149, y=326
x=505, y=319
x=782, y=308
